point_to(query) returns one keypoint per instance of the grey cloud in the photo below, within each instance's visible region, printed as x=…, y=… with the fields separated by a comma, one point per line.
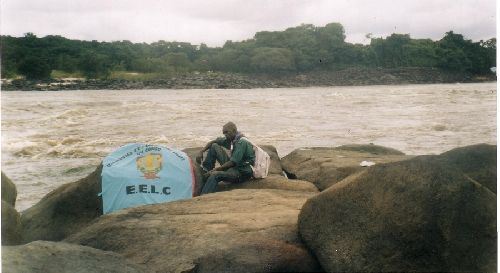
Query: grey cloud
x=248, y=11
x=214, y=22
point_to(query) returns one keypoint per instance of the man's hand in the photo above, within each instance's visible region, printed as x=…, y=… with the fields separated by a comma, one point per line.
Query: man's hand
x=209, y=173
x=199, y=157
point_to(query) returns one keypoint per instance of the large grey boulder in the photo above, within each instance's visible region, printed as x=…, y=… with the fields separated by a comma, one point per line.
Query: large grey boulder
x=478, y=162
x=325, y=166
x=233, y=231
x=274, y=181
x=9, y=191
x=418, y=215
x=11, y=225
x=260, y=255
x=52, y=257
x=64, y=211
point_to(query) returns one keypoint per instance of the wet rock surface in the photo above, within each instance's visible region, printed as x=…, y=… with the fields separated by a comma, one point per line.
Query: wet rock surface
x=325, y=166
x=207, y=232
x=11, y=225
x=11, y=219
x=477, y=162
x=404, y=213
x=52, y=257
x=73, y=206
x=9, y=190
x=422, y=215
x=271, y=182
x=64, y=211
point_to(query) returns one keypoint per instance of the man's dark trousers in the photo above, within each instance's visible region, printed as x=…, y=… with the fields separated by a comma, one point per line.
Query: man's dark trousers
x=217, y=153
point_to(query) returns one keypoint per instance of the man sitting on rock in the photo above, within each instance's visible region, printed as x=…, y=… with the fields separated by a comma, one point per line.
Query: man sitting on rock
x=234, y=154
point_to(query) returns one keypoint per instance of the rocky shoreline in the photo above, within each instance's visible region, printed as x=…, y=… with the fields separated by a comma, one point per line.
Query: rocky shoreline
x=218, y=80
x=400, y=213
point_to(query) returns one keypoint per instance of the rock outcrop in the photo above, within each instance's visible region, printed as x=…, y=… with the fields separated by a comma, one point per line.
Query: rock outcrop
x=73, y=206
x=64, y=211
x=325, y=166
x=9, y=191
x=420, y=215
x=209, y=80
x=274, y=181
x=478, y=162
x=11, y=219
x=52, y=257
x=11, y=225
x=405, y=213
x=233, y=231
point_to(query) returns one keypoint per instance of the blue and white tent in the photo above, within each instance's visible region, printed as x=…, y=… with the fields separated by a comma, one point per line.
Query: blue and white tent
x=139, y=174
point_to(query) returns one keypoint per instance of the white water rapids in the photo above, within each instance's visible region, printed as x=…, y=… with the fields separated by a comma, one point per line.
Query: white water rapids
x=52, y=138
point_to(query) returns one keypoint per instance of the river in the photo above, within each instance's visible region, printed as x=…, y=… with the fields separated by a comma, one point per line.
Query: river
x=52, y=138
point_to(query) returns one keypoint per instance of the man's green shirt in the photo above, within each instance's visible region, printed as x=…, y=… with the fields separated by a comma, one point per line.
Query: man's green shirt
x=242, y=154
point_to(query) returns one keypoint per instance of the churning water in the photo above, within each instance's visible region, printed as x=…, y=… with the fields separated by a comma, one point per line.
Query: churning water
x=52, y=138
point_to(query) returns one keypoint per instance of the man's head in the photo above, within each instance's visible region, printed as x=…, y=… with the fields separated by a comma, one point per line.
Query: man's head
x=229, y=130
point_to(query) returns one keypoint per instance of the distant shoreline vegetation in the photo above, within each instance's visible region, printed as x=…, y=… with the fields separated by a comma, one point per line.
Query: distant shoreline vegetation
x=301, y=50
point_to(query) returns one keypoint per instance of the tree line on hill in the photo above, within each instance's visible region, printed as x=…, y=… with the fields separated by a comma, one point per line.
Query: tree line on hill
x=298, y=49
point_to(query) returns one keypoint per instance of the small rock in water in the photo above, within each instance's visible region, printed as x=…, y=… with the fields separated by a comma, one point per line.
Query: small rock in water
x=439, y=127
x=366, y=163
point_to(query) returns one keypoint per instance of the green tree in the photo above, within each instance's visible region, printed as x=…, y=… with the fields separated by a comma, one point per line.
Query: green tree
x=9, y=56
x=66, y=63
x=35, y=68
x=231, y=60
x=202, y=63
x=490, y=47
x=391, y=51
x=452, y=52
x=302, y=48
x=95, y=65
x=352, y=55
x=272, y=60
x=453, y=59
x=302, y=41
x=330, y=36
x=421, y=53
x=178, y=61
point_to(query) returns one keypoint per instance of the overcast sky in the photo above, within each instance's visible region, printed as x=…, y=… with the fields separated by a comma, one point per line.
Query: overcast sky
x=215, y=21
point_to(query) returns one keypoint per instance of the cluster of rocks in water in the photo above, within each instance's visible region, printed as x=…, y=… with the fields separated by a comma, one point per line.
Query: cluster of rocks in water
x=431, y=213
x=211, y=80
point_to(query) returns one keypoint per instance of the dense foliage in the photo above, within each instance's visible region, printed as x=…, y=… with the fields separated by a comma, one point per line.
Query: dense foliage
x=302, y=48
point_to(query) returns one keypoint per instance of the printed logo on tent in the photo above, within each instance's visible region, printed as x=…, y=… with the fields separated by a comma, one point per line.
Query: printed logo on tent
x=139, y=174
x=150, y=165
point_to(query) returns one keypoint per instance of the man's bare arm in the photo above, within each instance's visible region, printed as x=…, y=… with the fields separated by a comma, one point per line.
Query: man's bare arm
x=200, y=154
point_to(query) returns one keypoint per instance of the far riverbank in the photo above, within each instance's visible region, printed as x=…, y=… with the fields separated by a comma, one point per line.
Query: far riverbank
x=219, y=80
